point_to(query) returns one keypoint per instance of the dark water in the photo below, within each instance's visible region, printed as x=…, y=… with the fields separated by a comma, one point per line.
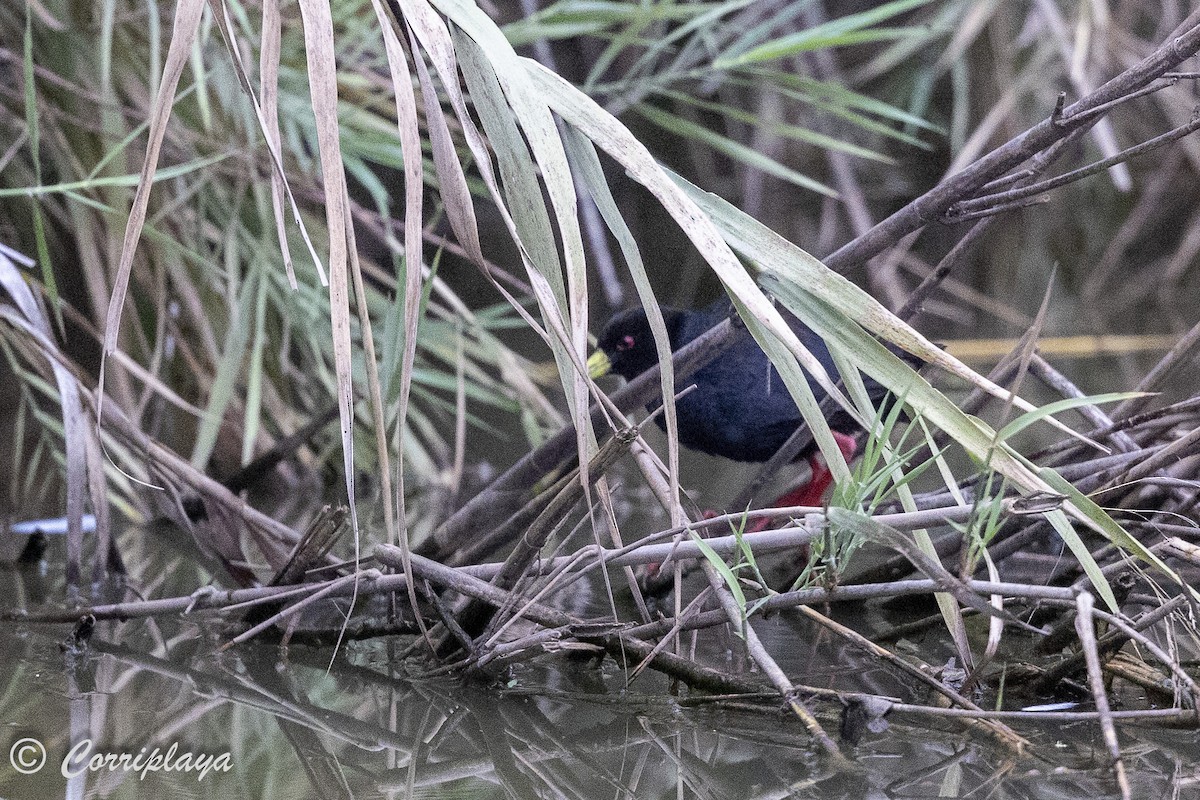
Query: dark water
x=286, y=722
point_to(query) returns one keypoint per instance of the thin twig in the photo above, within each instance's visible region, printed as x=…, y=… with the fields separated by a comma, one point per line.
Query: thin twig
x=1000, y=731
x=1012, y=197
x=1087, y=641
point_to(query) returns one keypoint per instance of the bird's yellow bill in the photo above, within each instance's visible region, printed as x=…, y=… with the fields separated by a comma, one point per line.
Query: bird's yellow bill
x=598, y=364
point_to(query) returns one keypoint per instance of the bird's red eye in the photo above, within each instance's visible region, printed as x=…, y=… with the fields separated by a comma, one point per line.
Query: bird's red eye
x=625, y=344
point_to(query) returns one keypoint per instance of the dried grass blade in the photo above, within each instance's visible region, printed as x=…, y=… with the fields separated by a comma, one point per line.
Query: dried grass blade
x=506, y=111
x=427, y=28
x=267, y=113
x=322, y=75
x=591, y=174
x=410, y=143
x=74, y=425
x=568, y=347
x=183, y=33
x=268, y=87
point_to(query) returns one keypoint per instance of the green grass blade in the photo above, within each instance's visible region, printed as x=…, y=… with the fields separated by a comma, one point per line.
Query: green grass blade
x=826, y=35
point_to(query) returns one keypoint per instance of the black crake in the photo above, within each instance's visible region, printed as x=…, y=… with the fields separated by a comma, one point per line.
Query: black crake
x=740, y=408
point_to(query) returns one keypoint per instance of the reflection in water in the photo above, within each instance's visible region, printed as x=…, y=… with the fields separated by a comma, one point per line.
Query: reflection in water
x=374, y=724
x=295, y=725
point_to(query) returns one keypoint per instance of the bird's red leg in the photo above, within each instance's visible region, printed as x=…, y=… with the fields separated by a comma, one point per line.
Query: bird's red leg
x=812, y=491
x=809, y=493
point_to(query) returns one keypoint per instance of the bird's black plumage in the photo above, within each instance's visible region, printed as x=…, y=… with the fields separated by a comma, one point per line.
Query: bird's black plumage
x=740, y=408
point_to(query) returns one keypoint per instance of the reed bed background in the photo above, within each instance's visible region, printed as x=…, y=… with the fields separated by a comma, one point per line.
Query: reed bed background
x=316, y=285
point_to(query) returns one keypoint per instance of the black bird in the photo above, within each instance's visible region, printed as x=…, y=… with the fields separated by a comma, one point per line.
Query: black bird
x=740, y=408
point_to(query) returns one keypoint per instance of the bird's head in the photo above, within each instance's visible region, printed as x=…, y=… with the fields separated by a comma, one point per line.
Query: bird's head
x=626, y=346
